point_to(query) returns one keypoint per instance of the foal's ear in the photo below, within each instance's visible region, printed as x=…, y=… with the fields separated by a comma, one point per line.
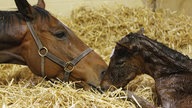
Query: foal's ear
x=124, y=46
x=131, y=48
x=25, y=9
x=41, y=4
x=141, y=31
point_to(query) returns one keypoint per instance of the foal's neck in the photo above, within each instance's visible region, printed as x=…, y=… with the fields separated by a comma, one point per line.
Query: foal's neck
x=157, y=70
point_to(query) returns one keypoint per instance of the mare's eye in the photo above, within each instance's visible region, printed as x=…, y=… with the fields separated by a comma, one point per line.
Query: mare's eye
x=60, y=35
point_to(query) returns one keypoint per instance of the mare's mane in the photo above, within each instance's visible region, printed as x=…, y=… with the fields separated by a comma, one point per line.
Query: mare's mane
x=7, y=18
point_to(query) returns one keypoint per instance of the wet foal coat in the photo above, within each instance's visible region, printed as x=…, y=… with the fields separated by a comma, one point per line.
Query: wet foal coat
x=172, y=71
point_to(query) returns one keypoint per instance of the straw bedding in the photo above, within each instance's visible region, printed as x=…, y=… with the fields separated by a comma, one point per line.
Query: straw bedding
x=100, y=29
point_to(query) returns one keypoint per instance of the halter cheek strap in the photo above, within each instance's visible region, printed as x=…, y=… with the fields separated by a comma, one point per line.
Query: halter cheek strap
x=43, y=52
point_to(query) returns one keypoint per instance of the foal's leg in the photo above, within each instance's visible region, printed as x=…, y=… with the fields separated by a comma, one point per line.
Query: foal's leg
x=142, y=103
x=167, y=91
x=175, y=91
x=185, y=102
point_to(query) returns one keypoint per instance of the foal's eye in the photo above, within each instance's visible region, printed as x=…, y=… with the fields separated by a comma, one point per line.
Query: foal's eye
x=60, y=35
x=120, y=62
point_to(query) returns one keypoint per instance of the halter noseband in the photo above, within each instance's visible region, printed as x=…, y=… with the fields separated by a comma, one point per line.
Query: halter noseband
x=43, y=52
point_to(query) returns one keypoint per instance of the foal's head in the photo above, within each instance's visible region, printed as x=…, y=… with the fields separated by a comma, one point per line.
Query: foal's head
x=60, y=45
x=124, y=65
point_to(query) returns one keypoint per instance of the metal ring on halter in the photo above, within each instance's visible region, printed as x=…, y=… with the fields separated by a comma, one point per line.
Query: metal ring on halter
x=69, y=67
x=43, y=51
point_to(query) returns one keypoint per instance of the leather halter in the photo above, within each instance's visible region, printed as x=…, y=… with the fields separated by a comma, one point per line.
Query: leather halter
x=43, y=52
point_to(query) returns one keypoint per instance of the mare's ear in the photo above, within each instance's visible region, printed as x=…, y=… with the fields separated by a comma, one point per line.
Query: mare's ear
x=25, y=9
x=41, y=4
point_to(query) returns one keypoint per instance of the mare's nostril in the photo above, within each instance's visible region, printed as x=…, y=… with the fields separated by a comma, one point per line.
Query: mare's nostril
x=103, y=73
x=104, y=88
x=105, y=85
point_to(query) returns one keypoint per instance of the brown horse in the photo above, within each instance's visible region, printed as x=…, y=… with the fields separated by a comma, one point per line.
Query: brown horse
x=32, y=36
x=172, y=71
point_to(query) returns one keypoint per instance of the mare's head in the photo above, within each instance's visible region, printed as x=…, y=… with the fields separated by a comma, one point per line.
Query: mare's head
x=50, y=48
x=135, y=54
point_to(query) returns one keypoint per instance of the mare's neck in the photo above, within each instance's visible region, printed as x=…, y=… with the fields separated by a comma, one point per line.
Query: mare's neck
x=10, y=41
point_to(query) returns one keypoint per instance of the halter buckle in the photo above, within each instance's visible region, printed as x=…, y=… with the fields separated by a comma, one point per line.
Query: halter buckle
x=43, y=51
x=69, y=67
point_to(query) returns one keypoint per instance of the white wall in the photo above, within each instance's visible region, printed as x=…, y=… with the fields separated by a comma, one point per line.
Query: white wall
x=64, y=7
x=183, y=6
